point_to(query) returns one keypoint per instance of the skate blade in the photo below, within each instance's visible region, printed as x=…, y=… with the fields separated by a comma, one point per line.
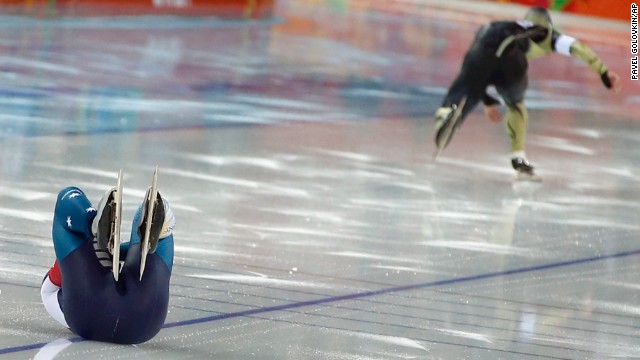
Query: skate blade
x=437, y=153
x=448, y=130
x=150, y=199
x=115, y=247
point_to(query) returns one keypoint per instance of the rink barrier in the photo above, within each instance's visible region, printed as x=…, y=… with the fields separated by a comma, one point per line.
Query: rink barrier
x=234, y=9
x=612, y=9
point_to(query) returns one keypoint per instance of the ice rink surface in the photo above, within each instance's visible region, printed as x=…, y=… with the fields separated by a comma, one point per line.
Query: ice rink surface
x=313, y=223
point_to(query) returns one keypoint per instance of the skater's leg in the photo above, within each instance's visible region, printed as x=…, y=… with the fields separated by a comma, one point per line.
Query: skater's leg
x=517, y=121
x=148, y=297
x=72, y=226
x=512, y=88
x=164, y=248
x=466, y=90
x=449, y=118
x=76, y=262
x=462, y=97
x=51, y=294
x=464, y=87
x=72, y=220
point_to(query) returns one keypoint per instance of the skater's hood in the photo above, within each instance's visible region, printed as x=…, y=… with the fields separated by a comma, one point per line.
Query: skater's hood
x=539, y=16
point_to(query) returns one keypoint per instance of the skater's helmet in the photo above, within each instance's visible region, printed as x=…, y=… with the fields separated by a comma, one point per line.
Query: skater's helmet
x=539, y=16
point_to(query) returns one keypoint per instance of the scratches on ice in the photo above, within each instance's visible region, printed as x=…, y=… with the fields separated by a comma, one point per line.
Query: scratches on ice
x=475, y=165
x=279, y=102
x=232, y=181
x=347, y=155
x=604, y=223
x=101, y=187
x=16, y=272
x=391, y=340
x=394, y=340
x=414, y=270
x=235, y=160
x=202, y=251
x=611, y=306
x=291, y=230
x=626, y=285
x=40, y=216
x=41, y=65
x=80, y=170
x=23, y=194
x=386, y=258
x=466, y=335
x=480, y=247
x=308, y=214
x=258, y=279
x=561, y=144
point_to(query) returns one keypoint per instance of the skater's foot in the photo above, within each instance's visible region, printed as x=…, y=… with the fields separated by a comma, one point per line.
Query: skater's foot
x=524, y=170
x=162, y=224
x=103, y=226
x=156, y=218
x=522, y=165
x=447, y=120
x=443, y=126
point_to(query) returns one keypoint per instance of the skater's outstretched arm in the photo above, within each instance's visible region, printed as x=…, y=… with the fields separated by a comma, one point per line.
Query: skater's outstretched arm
x=578, y=49
x=570, y=46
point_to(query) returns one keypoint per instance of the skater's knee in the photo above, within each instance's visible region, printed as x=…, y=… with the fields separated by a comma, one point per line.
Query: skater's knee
x=69, y=192
x=517, y=112
x=74, y=211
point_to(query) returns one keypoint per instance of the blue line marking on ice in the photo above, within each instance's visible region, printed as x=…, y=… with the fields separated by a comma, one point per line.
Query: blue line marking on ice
x=371, y=293
x=33, y=346
x=365, y=294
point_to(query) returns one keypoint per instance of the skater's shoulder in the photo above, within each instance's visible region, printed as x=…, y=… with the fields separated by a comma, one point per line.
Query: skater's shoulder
x=504, y=24
x=509, y=27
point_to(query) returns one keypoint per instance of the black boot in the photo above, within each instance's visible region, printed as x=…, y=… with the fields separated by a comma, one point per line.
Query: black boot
x=524, y=170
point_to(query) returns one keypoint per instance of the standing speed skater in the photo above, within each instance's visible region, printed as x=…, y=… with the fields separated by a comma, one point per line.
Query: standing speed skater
x=102, y=289
x=499, y=56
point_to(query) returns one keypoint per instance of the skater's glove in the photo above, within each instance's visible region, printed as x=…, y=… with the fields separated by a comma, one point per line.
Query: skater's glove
x=605, y=79
x=611, y=80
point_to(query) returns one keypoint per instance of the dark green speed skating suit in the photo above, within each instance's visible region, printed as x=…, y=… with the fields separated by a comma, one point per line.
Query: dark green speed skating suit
x=499, y=56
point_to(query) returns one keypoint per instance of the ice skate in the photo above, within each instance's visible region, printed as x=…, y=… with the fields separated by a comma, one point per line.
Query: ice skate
x=524, y=170
x=152, y=221
x=106, y=225
x=446, y=125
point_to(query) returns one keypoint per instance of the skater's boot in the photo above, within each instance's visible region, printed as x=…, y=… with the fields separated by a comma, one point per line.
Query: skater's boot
x=522, y=166
x=169, y=222
x=104, y=224
x=444, y=126
x=158, y=238
x=163, y=221
x=156, y=220
x=448, y=119
x=524, y=170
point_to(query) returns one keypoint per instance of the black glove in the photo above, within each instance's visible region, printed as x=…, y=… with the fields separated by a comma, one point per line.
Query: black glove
x=605, y=79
